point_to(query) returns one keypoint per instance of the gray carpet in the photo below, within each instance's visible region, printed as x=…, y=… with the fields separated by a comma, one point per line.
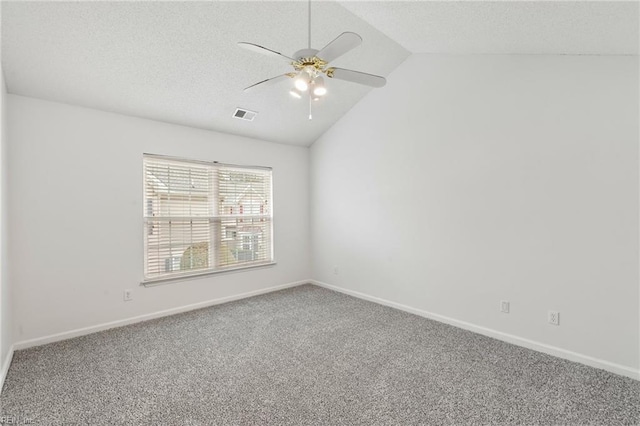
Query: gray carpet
x=306, y=356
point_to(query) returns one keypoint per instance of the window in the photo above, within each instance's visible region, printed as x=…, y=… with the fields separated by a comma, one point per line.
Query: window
x=204, y=217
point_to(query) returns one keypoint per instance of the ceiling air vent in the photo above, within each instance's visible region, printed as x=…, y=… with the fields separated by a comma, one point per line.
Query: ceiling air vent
x=244, y=114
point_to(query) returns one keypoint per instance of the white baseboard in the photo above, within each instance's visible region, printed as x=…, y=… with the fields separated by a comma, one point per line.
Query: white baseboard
x=509, y=338
x=5, y=367
x=119, y=323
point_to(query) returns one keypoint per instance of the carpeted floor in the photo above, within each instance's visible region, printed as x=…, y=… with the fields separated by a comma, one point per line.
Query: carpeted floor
x=306, y=356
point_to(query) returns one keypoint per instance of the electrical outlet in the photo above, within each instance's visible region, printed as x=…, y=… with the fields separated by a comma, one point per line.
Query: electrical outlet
x=128, y=295
x=335, y=270
x=504, y=306
x=554, y=317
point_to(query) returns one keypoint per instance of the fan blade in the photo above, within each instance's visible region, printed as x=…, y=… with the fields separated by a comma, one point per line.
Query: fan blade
x=356, y=77
x=263, y=50
x=338, y=47
x=267, y=82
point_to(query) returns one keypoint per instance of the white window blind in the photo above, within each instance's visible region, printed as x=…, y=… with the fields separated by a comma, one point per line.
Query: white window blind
x=204, y=217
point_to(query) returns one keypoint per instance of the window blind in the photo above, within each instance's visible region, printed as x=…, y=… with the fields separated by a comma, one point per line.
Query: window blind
x=203, y=217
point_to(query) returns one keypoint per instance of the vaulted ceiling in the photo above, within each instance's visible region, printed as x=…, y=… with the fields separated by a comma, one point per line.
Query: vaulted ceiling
x=179, y=62
x=507, y=27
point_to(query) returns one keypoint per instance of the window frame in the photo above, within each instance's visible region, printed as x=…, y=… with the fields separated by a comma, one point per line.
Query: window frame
x=213, y=239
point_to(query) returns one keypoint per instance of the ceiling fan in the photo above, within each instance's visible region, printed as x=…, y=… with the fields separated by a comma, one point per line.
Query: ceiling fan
x=309, y=66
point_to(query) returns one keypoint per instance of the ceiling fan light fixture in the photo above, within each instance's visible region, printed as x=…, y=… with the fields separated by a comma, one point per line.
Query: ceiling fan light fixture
x=302, y=81
x=296, y=93
x=318, y=86
x=320, y=91
x=301, y=85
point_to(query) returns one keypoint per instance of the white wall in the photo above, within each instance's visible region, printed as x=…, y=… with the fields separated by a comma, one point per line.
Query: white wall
x=76, y=215
x=5, y=291
x=469, y=180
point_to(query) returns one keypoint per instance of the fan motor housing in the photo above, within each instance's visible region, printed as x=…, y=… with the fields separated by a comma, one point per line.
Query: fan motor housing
x=306, y=59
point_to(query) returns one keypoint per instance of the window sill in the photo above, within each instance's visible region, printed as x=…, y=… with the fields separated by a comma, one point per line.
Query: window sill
x=190, y=276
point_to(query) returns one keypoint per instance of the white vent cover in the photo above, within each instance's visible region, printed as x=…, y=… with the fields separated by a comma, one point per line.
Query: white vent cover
x=244, y=114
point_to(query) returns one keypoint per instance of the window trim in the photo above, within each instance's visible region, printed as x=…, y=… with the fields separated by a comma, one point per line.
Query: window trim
x=195, y=275
x=207, y=163
x=165, y=279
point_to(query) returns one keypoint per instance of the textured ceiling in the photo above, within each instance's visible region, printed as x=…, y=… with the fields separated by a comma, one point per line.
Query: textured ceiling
x=178, y=61
x=506, y=27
